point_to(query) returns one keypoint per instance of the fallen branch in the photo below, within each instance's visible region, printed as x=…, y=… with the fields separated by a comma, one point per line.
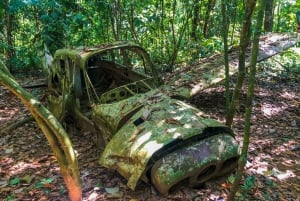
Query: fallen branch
x=206, y=72
x=16, y=125
x=34, y=86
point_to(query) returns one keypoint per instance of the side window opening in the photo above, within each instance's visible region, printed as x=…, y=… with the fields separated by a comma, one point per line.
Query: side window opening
x=113, y=69
x=75, y=77
x=62, y=66
x=55, y=82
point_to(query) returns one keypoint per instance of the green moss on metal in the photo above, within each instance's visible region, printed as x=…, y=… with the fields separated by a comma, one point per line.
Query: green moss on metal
x=184, y=162
x=169, y=120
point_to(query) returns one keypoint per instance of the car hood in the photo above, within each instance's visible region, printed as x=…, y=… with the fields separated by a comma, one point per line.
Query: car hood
x=161, y=124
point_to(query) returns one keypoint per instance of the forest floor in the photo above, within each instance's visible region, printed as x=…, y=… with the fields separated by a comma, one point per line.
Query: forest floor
x=29, y=171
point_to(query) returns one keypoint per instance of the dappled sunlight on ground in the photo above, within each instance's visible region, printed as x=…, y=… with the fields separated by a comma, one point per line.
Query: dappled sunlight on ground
x=288, y=147
x=273, y=158
x=263, y=164
x=270, y=110
x=274, y=148
x=19, y=167
x=288, y=95
x=7, y=112
x=273, y=165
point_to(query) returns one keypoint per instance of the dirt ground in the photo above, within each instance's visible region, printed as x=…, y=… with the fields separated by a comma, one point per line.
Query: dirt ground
x=29, y=171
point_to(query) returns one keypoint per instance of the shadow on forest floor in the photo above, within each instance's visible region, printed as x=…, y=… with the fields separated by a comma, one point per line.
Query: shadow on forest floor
x=29, y=171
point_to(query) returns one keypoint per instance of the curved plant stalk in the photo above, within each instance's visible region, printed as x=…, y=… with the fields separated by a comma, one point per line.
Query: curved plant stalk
x=57, y=137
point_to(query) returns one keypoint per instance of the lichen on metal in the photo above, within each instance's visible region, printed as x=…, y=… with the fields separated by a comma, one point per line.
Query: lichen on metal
x=188, y=162
x=146, y=134
x=165, y=126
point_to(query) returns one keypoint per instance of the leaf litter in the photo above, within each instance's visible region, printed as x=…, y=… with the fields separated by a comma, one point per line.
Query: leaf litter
x=29, y=171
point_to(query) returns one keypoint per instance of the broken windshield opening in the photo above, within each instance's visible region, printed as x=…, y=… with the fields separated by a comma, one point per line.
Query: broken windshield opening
x=126, y=91
x=119, y=72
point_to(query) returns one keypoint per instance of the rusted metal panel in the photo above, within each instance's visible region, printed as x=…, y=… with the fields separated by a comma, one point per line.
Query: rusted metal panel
x=140, y=126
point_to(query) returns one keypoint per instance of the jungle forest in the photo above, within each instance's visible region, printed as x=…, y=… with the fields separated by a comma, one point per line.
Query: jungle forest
x=149, y=100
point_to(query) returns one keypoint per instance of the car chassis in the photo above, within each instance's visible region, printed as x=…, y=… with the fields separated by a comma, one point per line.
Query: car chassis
x=114, y=93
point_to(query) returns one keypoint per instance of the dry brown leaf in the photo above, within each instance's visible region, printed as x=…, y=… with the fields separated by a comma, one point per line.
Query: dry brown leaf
x=172, y=121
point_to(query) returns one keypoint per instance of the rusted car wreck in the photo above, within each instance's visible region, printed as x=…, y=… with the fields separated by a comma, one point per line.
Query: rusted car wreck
x=114, y=93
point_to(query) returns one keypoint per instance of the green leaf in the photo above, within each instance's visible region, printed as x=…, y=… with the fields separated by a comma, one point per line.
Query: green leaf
x=186, y=77
x=10, y=198
x=47, y=191
x=47, y=181
x=62, y=190
x=100, y=184
x=39, y=185
x=14, y=181
x=269, y=182
x=249, y=183
x=43, y=182
x=231, y=179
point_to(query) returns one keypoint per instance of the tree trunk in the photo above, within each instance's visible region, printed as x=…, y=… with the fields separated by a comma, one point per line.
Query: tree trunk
x=210, y=6
x=57, y=137
x=278, y=16
x=269, y=16
x=161, y=28
x=244, y=42
x=226, y=59
x=130, y=16
x=115, y=16
x=250, y=92
x=233, y=20
x=177, y=41
x=9, y=39
x=196, y=19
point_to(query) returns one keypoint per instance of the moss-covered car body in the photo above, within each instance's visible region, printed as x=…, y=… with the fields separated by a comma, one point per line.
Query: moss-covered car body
x=114, y=93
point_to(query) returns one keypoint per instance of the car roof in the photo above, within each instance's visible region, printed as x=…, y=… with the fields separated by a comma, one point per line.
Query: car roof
x=84, y=52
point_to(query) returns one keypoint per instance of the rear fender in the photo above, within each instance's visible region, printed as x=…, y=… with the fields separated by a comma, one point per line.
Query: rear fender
x=167, y=125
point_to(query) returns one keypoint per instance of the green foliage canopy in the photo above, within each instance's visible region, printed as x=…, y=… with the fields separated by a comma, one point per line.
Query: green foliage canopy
x=173, y=31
